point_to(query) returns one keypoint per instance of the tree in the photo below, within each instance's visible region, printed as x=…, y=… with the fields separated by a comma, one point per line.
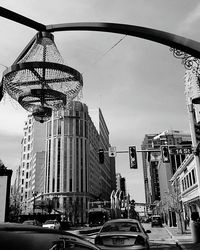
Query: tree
x=174, y=203
x=14, y=208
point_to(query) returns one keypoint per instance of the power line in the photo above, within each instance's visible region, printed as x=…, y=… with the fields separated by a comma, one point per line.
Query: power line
x=98, y=59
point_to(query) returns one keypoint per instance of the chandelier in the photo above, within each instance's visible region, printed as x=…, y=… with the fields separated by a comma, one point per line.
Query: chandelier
x=39, y=81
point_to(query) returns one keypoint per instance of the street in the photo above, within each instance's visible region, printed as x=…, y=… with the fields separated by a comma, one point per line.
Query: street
x=159, y=237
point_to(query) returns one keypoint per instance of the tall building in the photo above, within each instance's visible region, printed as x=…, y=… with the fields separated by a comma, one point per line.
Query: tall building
x=156, y=173
x=73, y=173
x=167, y=169
x=32, y=163
x=150, y=171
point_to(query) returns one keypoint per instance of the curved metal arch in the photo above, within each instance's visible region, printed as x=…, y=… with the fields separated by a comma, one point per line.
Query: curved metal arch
x=184, y=44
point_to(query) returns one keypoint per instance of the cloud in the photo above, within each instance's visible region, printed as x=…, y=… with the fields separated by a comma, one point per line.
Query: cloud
x=192, y=18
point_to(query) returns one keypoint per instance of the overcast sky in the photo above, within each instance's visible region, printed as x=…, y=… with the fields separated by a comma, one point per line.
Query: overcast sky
x=138, y=84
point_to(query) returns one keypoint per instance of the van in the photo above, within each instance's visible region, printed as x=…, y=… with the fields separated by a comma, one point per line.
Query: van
x=156, y=221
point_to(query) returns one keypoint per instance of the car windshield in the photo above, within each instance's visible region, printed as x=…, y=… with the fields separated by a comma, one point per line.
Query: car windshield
x=121, y=227
x=156, y=218
x=50, y=222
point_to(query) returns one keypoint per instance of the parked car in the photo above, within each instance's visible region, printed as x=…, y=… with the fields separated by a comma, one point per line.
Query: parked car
x=32, y=223
x=53, y=224
x=16, y=236
x=122, y=234
x=156, y=221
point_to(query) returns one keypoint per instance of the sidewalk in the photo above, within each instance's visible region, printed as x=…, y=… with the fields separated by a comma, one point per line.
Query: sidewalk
x=184, y=241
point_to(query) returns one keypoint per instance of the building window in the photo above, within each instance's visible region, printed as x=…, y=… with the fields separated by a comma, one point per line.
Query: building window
x=190, y=179
x=193, y=177
x=29, y=146
x=58, y=166
x=59, y=127
x=23, y=173
x=27, y=175
x=187, y=179
x=29, y=138
x=22, y=181
x=183, y=187
x=27, y=165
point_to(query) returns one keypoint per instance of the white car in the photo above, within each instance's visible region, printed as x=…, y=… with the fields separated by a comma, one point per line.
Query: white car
x=54, y=224
x=122, y=234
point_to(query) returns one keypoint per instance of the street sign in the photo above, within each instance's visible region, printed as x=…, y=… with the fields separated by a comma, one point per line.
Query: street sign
x=180, y=150
x=112, y=152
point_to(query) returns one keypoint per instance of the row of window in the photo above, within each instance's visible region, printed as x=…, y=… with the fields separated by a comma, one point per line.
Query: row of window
x=26, y=156
x=189, y=180
x=28, y=147
x=29, y=139
x=27, y=165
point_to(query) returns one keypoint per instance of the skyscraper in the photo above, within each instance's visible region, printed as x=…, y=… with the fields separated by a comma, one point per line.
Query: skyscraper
x=154, y=177
x=31, y=167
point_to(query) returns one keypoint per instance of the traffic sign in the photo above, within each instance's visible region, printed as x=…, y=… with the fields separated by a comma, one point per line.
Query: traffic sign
x=180, y=150
x=112, y=152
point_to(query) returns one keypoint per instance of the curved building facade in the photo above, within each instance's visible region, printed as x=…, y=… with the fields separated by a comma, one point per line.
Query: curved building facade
x=73, y=175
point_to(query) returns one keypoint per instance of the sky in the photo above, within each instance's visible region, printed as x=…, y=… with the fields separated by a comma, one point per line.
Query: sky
x=137, y=83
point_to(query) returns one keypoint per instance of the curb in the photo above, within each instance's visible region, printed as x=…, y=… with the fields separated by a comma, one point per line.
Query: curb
x=178, y=244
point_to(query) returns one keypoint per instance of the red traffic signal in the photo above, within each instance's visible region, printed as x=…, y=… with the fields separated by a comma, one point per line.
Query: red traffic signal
x=133, y=157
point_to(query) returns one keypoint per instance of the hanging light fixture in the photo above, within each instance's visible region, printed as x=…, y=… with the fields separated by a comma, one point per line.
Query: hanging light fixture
x=40, y=81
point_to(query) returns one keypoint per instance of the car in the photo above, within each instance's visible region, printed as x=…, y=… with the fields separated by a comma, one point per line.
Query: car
x=156, y=221
x=54, y=224
x=32, y=222
x=122, y=234
x=22, y=237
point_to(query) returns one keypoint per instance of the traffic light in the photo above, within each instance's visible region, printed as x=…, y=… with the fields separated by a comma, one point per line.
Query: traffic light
x=133, y=157
x=197, y=131
x=165, y=154
x=101, y=156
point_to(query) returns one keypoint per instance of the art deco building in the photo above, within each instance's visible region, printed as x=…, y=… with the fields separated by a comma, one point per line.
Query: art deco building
x=73, y=174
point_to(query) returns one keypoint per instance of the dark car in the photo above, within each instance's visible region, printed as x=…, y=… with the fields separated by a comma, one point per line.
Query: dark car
x=156, y=221
x=15, y=236
x=32, y=223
